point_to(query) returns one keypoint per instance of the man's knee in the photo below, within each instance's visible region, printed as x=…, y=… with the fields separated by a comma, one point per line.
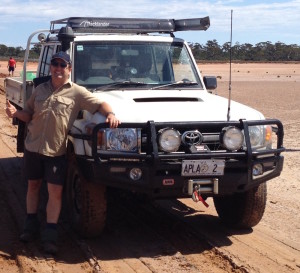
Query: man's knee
x=34, y=185
x=55, y=191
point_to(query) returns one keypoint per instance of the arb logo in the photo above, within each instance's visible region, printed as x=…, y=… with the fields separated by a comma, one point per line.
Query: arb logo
x=168, y=182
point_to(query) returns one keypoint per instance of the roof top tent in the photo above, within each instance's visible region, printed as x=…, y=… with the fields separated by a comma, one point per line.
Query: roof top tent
x=72, y=25
x=129, y=25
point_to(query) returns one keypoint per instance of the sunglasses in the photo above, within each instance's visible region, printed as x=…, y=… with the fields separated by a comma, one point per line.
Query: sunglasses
x=57, y=64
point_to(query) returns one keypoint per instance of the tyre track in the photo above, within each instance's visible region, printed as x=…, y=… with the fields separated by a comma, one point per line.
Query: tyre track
x=254, y=250
x=168, y=239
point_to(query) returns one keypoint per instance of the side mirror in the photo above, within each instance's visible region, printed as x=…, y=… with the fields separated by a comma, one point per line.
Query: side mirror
x=210, y=82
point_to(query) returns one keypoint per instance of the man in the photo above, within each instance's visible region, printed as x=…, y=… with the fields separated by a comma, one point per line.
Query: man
x=50, y=112
x=11, y=66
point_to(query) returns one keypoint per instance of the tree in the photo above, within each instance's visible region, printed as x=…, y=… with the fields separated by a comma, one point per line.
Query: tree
x=247, y=52
x=213, y=50
x=226, y=50
x=265, y=51
x=37, y=48
x=19, y=51
x=3, y=50
x=236, y=51
x=11, y=51
x=198, y=50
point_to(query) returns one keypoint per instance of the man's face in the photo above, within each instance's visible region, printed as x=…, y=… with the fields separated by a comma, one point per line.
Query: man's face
x=60, y=70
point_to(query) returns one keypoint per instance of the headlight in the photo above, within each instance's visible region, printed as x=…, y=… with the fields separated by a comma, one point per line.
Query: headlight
x=260, y=136
x=256, y=135
x=122, y=139
x=119, y=139
x=169, y=140
x=232, y=138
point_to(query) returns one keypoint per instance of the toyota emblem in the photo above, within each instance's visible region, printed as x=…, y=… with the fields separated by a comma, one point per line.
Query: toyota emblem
x=191, y=138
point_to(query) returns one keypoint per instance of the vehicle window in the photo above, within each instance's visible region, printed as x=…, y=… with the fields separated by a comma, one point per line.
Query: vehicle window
x=46, y=55
x=183, y=69
x=105, y=63
x=44, y=69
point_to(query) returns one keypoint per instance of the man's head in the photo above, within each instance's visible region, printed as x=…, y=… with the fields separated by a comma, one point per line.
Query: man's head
x=60, y=68
x=63, y=56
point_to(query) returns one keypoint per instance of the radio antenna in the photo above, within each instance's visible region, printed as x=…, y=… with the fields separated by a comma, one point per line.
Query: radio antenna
x=230, y=61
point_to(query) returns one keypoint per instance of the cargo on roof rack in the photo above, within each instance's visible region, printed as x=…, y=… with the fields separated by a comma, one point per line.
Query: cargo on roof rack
x=130, y=25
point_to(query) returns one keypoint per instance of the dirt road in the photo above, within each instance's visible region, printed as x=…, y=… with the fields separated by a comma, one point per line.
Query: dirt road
x=172, y=236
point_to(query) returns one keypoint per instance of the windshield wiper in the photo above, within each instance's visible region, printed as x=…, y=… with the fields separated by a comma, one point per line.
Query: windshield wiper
x=178, y=83
x=117, y=84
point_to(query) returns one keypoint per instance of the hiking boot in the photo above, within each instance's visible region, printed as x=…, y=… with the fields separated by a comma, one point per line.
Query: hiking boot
x=49, y=241
x=30, y=231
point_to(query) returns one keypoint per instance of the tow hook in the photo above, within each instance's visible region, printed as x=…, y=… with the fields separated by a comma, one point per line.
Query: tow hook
x=196, y=196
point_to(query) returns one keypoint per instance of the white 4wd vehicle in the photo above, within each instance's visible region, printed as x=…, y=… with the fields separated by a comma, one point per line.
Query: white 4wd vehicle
x=176, y=140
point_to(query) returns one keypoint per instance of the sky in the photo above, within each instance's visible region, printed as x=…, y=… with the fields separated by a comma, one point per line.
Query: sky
x=252, y=21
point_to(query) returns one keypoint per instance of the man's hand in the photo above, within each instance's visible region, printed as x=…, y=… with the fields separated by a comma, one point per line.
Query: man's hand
x=10, y=109
x=112, y=120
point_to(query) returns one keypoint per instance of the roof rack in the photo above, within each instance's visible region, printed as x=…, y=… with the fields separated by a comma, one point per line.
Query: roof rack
x=129, y=25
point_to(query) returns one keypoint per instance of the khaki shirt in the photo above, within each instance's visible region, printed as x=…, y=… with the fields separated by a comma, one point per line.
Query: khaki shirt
x=53, y=114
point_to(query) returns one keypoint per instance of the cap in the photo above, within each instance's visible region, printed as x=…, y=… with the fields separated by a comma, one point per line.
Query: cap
x=62, y=55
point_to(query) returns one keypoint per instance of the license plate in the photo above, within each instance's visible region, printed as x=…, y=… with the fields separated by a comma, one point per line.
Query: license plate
x=202, y=167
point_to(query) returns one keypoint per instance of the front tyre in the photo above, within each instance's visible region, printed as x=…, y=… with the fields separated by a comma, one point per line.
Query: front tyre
x=86, y=203
x=242, y=210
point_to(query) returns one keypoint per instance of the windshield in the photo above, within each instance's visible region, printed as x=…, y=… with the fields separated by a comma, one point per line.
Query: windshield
x=101, y=64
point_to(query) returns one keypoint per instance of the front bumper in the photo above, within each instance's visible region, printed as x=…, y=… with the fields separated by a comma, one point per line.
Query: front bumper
x=161, y=172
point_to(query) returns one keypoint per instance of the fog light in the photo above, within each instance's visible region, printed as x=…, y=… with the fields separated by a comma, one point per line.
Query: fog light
x=135, y=174
x=257, y=169
x=169, y=140
x=232, y=138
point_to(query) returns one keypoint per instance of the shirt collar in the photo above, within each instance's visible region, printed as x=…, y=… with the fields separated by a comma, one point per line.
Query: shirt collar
x=69, y=83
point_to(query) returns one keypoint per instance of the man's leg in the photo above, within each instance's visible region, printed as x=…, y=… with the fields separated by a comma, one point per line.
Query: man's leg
x=33, y=195
x=54, y=202
x=50, y=234
x=31, y=227
x=55, y=173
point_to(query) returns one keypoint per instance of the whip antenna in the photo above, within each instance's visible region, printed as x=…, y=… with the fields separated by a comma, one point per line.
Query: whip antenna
x=230, y=61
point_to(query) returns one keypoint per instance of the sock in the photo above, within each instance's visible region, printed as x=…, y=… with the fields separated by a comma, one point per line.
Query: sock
x=31, y=216
x=51, y=226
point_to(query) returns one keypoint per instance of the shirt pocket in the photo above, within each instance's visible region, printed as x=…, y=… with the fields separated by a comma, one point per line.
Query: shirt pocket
x=63, y=106
x=41, y=104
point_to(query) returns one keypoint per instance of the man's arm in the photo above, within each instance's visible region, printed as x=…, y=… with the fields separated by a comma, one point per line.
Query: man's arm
x=106, y=110
x=12, y=112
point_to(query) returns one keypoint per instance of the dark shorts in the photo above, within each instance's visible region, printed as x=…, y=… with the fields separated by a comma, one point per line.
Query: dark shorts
x=52, y=169
x=11, y=68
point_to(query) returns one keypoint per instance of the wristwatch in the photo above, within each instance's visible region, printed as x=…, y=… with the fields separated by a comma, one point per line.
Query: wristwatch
x=112, y=113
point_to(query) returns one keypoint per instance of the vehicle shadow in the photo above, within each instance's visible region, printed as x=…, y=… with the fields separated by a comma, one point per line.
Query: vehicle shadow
x=137, y=229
